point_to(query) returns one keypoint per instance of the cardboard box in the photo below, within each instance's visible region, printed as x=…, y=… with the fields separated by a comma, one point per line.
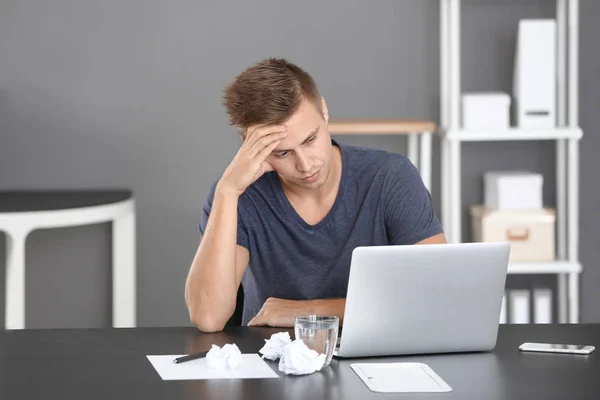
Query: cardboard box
x=531, y=233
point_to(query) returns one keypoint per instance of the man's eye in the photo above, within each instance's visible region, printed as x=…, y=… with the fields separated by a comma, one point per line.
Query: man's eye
x=312, y=139
x=282, y=154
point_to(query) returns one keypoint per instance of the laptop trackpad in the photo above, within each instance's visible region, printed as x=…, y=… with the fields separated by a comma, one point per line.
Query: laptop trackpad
x=400, y=378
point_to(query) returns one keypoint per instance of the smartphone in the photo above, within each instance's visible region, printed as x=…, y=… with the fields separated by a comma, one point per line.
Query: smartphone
x=557, y=348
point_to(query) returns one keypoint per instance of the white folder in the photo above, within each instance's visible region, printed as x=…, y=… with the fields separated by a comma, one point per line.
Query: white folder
x=519, y=306
x=542, y=305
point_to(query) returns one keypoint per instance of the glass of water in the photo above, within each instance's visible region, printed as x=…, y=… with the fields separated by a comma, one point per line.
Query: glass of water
x=319, y=333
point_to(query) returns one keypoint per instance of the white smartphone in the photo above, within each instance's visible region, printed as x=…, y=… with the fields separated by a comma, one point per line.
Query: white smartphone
x=557, y=348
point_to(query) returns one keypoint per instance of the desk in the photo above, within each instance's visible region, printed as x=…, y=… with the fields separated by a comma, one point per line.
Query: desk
x=21, y=212
x=111, y=364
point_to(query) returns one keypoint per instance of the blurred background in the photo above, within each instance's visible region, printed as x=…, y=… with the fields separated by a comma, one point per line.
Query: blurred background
x=127, y=94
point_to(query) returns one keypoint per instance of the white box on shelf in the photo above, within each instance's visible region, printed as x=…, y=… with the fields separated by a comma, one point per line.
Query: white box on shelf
x=485, y=110
x=534, y=77
x=531, y=233
x=516, y=190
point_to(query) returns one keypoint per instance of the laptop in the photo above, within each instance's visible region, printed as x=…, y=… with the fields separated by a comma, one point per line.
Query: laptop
x=422, y=299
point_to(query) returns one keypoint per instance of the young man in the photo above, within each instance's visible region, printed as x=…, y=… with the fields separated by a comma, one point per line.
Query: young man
x=291, y=206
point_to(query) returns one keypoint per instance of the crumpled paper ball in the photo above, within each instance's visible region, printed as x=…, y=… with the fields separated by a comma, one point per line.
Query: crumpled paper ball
x=227, y=357
x=298, y=359
x=273, y=347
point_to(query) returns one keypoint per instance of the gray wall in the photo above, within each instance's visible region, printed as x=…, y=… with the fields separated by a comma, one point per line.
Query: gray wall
x=127, y=94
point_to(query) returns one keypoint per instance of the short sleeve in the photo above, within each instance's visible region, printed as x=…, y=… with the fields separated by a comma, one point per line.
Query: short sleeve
x=242, y=233
x=408, y=210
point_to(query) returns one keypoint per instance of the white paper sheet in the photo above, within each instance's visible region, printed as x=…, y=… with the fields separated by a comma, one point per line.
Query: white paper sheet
x=253, y=367
x=403, y=377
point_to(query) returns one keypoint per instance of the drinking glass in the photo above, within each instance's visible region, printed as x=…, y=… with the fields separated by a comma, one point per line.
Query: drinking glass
x=319, y=333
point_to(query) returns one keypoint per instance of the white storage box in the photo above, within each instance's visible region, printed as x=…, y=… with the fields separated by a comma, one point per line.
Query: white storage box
x=485, y=111
x=529, y=232
x=534, y=76
x=520, y=190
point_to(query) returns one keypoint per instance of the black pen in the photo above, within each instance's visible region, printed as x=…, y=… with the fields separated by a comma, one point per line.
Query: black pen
x=190, y=357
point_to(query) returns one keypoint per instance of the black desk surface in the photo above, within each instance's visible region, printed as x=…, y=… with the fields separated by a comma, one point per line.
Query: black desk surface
x=45, y=200
x=112, y=364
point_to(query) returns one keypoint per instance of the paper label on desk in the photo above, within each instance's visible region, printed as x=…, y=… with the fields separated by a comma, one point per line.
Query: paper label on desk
x=253, y=367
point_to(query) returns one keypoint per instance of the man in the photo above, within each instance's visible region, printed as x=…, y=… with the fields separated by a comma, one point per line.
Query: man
x=291, y=206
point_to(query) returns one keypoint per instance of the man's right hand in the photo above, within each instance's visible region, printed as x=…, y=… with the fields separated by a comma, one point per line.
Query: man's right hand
x=250, y=162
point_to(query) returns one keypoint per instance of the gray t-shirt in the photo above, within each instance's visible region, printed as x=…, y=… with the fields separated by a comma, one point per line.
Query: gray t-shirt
x=381, y=201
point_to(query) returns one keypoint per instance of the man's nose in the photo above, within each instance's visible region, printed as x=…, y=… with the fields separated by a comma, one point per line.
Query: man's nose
x=303, y=163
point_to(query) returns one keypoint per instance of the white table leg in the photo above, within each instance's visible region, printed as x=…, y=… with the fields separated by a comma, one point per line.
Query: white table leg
x=445, y=178
x=573, y=298
x=15, y=280
x=454, y=171
x=413, y=149
x=562, y=298
x=425, y=159
x=124, y=272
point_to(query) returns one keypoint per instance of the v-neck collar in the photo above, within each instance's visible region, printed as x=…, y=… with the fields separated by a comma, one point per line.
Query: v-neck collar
x=285, y=202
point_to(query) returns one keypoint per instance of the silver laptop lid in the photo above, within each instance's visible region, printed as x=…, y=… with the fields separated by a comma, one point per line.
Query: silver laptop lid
x=424, y=299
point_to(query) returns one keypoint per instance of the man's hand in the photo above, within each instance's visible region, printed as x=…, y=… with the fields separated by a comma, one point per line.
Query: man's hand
x=250, y=162
x=280, y=312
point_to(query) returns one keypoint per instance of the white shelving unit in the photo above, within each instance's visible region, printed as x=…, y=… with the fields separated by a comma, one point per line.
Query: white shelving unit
x=566, y=134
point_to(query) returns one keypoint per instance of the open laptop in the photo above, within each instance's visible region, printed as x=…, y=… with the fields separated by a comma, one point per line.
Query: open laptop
x=420, y=299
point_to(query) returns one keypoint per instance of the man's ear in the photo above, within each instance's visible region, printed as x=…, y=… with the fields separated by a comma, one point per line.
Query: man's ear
x=324, y=109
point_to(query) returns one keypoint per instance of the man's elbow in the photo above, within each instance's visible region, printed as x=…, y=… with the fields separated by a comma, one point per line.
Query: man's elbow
x=205, y=315
x=207, y=325
x=210, y=321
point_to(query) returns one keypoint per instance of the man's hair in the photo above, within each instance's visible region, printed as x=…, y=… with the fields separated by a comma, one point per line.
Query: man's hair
x=268, y=93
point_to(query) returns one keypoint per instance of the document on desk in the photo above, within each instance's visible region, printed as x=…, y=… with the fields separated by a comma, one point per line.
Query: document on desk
x=252, y=367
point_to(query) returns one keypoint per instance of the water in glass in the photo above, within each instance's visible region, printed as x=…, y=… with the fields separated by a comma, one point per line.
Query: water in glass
x=318, y=333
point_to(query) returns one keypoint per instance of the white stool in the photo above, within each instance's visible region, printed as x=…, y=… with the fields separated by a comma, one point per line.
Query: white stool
x=24, y=211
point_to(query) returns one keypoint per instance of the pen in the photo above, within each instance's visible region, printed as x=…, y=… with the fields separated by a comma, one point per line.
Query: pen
x=190, y=357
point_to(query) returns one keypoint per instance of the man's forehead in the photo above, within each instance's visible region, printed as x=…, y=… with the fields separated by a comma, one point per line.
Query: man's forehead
x=297, y=138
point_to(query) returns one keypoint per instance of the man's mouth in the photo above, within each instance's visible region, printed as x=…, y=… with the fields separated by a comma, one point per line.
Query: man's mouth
x=311, y=178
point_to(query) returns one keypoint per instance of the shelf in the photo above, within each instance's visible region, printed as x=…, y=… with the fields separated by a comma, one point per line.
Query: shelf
x=550, y=267
x=379, y=127
x=510, y=134
x=566, y=82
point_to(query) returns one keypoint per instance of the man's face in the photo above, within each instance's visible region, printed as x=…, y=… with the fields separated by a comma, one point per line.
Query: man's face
x=303, y=158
